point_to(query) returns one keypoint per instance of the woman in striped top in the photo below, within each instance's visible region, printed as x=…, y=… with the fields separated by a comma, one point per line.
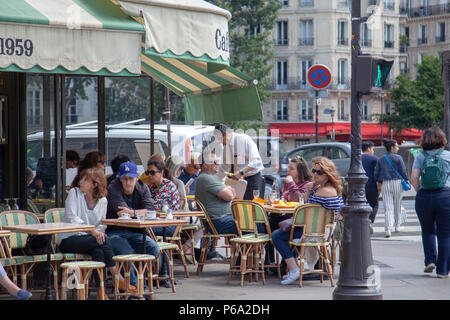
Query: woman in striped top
x=325, y=190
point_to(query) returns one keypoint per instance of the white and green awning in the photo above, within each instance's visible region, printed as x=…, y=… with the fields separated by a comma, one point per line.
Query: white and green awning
x=69, y=36
x=184, y=29
x=225, y=95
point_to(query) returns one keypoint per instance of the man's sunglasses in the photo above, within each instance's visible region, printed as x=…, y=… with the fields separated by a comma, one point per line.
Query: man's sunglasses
x=151, y=172
x=318, y=172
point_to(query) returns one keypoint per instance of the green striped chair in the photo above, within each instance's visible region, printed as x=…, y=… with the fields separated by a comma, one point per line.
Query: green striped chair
x=261, y=218
x=57, y=215
x=315, y=221
x=18, y=241
x=249, y=244
x=209, y=237
x=9, y=263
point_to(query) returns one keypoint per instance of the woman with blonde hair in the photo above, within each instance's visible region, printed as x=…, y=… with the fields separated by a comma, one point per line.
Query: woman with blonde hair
x=325, y=190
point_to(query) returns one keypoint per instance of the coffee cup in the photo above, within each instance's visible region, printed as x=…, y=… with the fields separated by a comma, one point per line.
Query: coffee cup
x=125, y=215
x=151, y=214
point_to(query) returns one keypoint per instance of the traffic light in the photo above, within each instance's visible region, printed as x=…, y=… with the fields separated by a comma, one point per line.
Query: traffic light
x=372, y=73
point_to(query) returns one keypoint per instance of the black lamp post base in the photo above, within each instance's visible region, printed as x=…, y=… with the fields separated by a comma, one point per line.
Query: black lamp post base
x=355, y=293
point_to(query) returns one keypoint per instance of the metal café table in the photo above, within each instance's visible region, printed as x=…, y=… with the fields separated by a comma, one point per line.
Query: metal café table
x=49, y=229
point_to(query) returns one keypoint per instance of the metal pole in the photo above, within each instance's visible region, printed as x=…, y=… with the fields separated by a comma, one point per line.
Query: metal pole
x=317, y=117
x=333, y=136
x=152, y=116
x=354, y=281
x=169, y=140
x=381, y=119
x=101, y=115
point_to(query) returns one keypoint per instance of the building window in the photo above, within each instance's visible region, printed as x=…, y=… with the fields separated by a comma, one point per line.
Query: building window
x=282, y=33
x=282, y=110
x=366, y=40
x=388, y=35
x=389, y=4
x=342, y=114
x=403, y=67
x=342, y=73
x=34, y=106
x=342, y=33
x=422, y=34
x=281, y=74
x=307, y=33
x=306, y=3
x=365, y=111
x=387, y=108
x=440, y=32
x=306, y=110
x=304, y=67
x=285, y=3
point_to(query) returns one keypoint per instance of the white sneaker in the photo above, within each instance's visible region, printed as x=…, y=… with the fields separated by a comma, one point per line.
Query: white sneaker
x=398, y=229
x=429, y=268
x=442, y=276
x=291, y=277
x=388, y=234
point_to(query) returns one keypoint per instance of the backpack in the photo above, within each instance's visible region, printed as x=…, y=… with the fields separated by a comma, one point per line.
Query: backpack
x=433, y=175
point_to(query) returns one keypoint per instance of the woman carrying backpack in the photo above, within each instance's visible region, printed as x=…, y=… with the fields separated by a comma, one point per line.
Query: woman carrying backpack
x=430, y=178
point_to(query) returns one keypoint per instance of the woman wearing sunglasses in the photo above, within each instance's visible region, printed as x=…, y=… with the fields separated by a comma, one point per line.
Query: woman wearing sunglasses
x=325, y=190
x=162, y=191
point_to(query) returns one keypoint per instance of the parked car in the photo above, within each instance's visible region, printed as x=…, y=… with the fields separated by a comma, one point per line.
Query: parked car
x=338, y=152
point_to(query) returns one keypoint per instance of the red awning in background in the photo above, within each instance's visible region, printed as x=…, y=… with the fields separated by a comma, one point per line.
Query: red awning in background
x=369, y=131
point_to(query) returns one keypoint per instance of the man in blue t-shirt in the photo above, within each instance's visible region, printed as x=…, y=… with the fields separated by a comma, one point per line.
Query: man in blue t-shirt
x=369, y=162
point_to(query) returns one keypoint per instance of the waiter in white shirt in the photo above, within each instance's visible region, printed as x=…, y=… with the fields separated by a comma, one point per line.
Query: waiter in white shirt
x=241, y=157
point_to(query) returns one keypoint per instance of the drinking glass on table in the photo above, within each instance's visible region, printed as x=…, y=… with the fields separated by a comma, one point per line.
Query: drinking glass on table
x=255, y=194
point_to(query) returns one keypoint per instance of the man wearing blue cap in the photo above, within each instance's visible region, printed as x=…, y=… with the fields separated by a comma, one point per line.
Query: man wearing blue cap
x=129, y=195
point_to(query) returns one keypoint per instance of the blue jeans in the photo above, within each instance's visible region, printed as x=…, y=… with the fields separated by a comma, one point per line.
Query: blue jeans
x=281, y=241
x=128, y=242
x=433, y=210
x=158, y=231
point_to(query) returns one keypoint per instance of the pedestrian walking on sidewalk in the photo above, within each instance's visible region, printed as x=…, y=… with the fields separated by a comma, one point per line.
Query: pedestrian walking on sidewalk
x=369, y=162
x=390, y=186
x=430, y=177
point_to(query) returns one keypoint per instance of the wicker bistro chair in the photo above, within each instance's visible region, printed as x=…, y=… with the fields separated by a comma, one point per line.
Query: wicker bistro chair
x=249, y=244
x=142, y=263
x=261, y=217
x=10, y=264
x=18, y=241
x=82, y=273
x=210, y=234
x=56, y=215
x=167, y=249
x=315, y=221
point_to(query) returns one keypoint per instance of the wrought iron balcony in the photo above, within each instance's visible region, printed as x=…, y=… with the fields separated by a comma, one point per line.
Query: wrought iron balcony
x=388, y=44
x=440, y=38
x=424, y=11
x=366, y=43
x=306, y=3
x=282, y=42
x=306, y=41
x=422, y=41
x=342, y=42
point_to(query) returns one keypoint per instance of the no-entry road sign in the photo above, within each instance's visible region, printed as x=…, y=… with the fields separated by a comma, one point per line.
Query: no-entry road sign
x=319, y=76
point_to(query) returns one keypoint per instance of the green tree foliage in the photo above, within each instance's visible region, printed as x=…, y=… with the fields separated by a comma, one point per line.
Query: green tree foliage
x=418, y=103
x=251, y=45
x=129, y=99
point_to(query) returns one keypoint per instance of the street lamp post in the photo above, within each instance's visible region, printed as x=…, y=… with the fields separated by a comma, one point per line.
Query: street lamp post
x=332, y=113
x=356, y=262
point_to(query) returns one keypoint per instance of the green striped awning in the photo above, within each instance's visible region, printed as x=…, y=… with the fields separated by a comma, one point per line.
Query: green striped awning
x=225, y=95
x=69, y=36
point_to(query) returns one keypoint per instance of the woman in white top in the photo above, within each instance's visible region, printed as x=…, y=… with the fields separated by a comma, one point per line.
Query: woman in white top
x=87, y=204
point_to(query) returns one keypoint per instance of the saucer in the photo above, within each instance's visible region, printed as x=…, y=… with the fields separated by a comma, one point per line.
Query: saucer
x=123, y=218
